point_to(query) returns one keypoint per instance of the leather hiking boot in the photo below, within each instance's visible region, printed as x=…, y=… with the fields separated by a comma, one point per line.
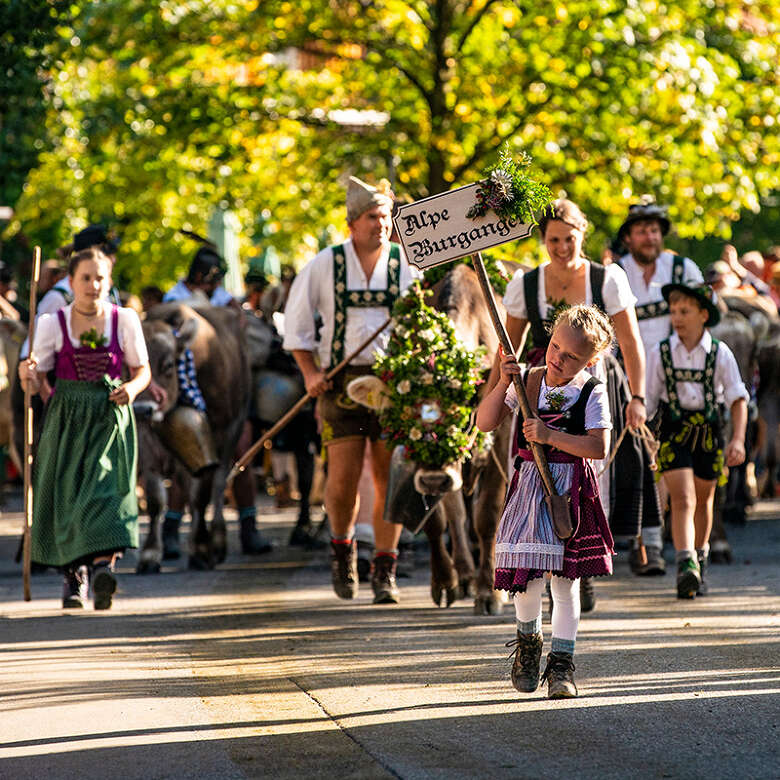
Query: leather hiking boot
x=528, y=656
x=587, y=595
x=343, y=569
x=655, y=565
x=103, y=585
x=75, y=588
x=383, y=581
x=703, y=589
x=688, y=579
x=559, y=673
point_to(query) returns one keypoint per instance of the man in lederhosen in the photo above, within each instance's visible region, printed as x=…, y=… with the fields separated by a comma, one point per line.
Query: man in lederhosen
x=649, y=267
x=353, y=287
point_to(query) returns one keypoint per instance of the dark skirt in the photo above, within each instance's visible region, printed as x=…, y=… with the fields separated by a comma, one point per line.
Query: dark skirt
x=84, y=500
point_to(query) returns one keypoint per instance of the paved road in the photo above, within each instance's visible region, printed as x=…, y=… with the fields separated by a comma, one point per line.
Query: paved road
x=257, y=670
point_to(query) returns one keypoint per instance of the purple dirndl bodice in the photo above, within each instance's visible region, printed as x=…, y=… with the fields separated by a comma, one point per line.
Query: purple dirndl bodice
x=84, y=364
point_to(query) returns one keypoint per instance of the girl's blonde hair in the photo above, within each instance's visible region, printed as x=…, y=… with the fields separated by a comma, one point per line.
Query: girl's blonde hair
x=591, y=322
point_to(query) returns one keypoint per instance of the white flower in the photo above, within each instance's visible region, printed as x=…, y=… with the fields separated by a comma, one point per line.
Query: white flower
x=415, y=434
x=403, y=387
x=456, y=384
x=428, y=334
x=503, y=183
x=340, y=288
x=339, y=316
x=355, y=297
x=452, y=430
x=426, y=378
x=366, y=296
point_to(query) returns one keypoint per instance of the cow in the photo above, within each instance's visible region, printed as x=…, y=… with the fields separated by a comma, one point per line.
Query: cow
x=217, y=339
x=460, y=496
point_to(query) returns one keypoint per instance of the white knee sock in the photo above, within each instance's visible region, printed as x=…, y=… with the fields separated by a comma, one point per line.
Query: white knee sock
x=566, y=613
x=528, y=608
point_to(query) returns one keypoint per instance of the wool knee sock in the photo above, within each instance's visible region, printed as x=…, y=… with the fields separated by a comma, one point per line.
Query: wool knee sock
x=684, y=555
x=566, y=613
x=528, y=608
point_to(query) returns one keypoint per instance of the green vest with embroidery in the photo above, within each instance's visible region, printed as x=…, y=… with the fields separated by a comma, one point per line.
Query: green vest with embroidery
x=649, y=311
x=705, y=377
x=344, y=298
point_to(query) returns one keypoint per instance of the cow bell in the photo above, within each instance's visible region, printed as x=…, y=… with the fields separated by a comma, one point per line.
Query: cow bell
x=187, y=433
x=404, y=504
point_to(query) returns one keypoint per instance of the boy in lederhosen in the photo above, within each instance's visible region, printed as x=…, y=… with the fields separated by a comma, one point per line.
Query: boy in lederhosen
x=692, y=376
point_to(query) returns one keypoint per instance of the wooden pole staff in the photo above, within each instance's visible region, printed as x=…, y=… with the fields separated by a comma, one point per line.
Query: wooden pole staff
x=246, y=458
x=503, y=337
x=28, y=436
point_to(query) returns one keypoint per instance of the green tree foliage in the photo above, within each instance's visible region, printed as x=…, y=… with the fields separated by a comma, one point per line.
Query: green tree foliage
x=27, y=27
x=165, y=109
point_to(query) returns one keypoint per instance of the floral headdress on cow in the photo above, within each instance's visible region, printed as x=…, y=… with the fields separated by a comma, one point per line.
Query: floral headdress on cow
x=430, y=382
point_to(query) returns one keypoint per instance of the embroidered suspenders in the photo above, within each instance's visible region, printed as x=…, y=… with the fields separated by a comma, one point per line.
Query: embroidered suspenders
x=648, y=311
x=347, y=299
x=705, y=377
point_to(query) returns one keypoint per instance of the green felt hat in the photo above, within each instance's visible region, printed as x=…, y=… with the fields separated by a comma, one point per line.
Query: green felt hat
x=703, y=293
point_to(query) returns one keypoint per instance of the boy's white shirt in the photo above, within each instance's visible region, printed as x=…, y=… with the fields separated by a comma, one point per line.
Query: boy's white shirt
x=728, y=382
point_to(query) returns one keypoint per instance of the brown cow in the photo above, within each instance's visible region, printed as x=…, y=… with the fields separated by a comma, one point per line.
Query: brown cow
x=216, y=338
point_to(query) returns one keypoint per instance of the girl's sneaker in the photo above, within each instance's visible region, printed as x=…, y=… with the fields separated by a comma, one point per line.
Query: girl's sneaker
x=688, y=579
x=525, y=667
x=103, y=585
x=559, y=674
x=75, y=588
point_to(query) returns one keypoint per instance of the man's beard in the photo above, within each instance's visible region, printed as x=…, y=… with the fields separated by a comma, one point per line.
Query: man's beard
x=643, y=258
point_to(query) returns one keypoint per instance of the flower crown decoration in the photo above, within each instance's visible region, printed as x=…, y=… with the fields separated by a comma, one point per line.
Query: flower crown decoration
x=431, y=381
x=92, y=339
x=509, y=191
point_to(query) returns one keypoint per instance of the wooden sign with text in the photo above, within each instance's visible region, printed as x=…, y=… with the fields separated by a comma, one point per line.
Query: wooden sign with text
x=436, y=230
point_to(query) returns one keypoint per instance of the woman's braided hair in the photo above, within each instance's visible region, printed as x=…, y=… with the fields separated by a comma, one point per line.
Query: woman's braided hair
x=591, y=322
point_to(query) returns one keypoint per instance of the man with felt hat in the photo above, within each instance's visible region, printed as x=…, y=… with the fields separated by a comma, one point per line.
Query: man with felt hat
x=353, y=286
x=649, y=266
x=692, y=377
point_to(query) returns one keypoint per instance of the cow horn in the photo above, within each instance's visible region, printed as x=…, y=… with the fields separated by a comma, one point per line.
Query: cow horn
x=369, y=391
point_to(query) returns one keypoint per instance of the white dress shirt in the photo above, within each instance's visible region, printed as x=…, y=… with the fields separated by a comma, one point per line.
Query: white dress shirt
x=658, y=328
x=48, y=337
x=616, y=293
x=312, y=291
x=727, y=382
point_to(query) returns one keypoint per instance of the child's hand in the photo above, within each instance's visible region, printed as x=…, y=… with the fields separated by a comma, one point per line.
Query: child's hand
x=509, y=367
x=536, y=431
x=735, y=453
x=121, y=396
x=28, y=374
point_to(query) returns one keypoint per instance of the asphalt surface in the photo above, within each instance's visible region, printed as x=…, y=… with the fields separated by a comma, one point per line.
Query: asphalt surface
x=257, y=670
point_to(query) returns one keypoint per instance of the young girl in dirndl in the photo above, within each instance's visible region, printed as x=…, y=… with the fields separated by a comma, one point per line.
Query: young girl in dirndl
x=573, y=426
x=85, y=512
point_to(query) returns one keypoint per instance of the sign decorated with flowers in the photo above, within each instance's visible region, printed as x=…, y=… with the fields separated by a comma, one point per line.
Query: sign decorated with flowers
x=470, y=219
x=430, y=382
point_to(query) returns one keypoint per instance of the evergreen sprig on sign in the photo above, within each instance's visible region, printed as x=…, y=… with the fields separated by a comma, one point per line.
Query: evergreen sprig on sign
x=431, y=380
x=509, y=191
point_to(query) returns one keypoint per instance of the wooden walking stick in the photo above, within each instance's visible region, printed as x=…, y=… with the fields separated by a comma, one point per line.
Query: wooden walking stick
x=559, y=505
x=28, y=435
x=246, y=458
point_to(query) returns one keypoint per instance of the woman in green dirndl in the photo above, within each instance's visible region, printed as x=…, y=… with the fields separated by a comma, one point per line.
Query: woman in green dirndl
x=85, y=512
